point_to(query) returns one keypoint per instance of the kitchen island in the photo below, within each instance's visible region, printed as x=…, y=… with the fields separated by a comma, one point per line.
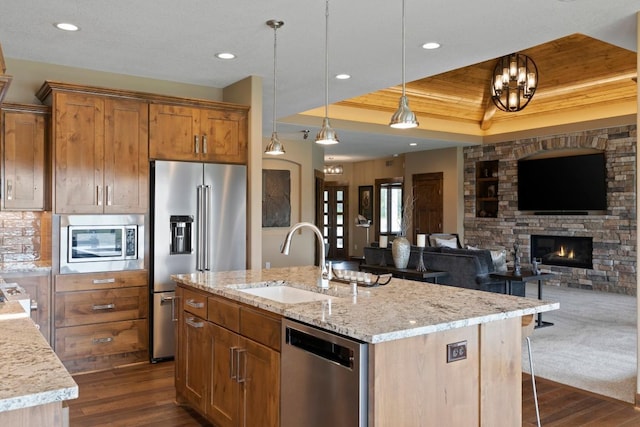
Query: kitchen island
x=409, y=328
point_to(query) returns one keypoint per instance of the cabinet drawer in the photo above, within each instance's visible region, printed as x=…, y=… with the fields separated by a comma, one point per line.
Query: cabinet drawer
x=87, y=307
x=195, y=303
x=101, y=339
x=224, y=313
x=261, y=327
x=107, y=280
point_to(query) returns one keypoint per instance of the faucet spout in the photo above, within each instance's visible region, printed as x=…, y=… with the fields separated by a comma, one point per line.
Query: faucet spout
x=323, y=280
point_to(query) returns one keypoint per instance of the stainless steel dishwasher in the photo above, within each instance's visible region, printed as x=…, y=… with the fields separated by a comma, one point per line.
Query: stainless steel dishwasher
x=323, y=378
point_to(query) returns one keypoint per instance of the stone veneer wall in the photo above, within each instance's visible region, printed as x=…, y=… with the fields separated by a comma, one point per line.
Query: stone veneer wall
x=25, y=236
x=614, y=233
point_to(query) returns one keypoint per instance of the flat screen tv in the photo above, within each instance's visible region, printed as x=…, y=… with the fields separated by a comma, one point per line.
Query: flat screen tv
x=569, y=184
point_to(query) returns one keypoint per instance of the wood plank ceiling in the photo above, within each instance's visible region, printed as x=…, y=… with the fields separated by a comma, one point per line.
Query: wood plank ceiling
x=575, y=72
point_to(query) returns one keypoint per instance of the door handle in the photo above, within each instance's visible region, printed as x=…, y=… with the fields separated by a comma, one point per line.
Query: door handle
x=241, y=361
x=196, y=144
x=204, y=144
x=191, y=322
x=103, y=281
x=109, y=196
x=99, y=195
x=194, y=304
x=9, y=189
x=232, y=357
x=102, y=340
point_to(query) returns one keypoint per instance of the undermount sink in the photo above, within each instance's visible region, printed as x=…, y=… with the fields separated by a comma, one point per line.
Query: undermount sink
x=286, y=294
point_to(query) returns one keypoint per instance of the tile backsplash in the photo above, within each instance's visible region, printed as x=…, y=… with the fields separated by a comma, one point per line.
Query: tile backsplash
x=25, y=236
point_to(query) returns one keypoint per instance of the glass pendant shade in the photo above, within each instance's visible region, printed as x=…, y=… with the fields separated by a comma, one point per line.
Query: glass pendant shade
x=326, y=135
x=274, y=147
x=403, y=118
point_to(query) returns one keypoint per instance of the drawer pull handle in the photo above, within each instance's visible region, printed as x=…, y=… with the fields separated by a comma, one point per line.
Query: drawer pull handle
x=194, y=304
x=191, y=322
x=103, y=281
x=104, y=307
x=102, y=340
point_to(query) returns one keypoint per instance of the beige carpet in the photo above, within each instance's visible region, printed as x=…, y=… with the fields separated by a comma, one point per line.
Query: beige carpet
x=592, y=345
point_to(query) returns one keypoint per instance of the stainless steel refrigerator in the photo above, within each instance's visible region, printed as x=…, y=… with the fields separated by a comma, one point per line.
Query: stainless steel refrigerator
x=198, y=215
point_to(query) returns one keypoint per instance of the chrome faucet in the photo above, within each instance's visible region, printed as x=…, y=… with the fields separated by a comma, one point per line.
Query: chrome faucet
x=325, y=275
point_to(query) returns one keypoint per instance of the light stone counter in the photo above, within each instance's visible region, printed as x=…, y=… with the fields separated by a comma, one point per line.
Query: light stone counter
x=400, y=309
x=30, y=372
x=41, y=267
x=11, y=310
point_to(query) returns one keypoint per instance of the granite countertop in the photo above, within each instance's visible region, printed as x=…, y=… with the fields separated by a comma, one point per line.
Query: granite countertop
x=400, y=309
x=30, y=372
x=26, y=267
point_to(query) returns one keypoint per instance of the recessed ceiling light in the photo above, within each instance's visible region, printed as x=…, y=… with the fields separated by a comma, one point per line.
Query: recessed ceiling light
x=225, y=55
x=431, y=45
x=66, y=26
x=343, y=76
x=413, y=144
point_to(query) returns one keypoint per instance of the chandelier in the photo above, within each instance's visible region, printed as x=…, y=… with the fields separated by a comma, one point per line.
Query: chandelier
x=514, y=82
x=333, y=169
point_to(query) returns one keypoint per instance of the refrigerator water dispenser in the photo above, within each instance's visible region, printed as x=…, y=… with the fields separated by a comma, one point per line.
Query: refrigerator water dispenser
x=181, y=234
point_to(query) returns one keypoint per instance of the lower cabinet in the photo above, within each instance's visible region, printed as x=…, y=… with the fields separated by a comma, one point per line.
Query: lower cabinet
x=101, y=319
x=232, y=379
x=38, y=286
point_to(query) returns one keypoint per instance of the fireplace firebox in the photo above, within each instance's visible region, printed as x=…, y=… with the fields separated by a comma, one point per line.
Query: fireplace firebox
x=568, y=251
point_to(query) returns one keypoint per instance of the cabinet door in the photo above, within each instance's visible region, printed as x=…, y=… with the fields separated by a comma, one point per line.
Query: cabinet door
x=195, y=357
x=224, y=136
x=224, y=390
x=126, y=164
x=79, y=146
x=261, y=385
x=174, y=133
x=24, y=145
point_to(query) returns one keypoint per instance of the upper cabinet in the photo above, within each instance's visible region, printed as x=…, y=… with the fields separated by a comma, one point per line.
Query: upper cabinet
x=24, y=157
x=214, y=135
x=100, y=153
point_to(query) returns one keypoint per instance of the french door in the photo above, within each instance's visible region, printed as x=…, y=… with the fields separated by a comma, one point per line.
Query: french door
x=334, y=219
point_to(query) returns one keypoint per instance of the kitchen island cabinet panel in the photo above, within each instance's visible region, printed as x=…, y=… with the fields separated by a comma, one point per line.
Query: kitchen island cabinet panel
x=224, y=393
x=260, y=403
x=196, y=369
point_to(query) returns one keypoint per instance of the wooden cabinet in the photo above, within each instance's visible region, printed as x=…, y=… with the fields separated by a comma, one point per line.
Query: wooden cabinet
x=101, y=319
x=211, y=135
x=100, y=154
x=24, y=157
x=38, y=286
x=487, y=189
x=241, y=354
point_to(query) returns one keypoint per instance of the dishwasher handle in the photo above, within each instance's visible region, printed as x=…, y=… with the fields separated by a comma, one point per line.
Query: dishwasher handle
x=320, y=347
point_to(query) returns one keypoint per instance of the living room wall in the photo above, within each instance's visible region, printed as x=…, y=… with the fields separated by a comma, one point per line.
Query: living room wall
x=613, y=233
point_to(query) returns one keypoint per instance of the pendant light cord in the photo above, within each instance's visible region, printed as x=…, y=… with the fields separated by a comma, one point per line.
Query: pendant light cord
x=275, y=64
x=326, y=61
x=403, y=48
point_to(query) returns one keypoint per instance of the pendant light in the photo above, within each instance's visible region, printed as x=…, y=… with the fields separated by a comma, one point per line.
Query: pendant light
x=403, y=118
x=326, y=135
x=274, y=148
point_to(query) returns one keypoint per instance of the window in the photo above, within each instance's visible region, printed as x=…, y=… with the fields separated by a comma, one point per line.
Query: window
x=389, y=206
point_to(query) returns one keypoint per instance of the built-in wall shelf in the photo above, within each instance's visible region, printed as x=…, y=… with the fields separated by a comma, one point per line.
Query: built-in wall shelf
x=487, y=189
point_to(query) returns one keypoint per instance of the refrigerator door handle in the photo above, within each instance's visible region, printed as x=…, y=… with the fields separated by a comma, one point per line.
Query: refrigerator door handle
x=200, y=228
x=206, y=221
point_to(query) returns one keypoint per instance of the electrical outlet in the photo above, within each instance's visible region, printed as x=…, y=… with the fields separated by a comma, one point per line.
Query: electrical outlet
x=267, y=265
x=456, y=351
x=355, y=246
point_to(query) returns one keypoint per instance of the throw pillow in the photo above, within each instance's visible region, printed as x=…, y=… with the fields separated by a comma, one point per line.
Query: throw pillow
x=499, y=260
x=446, y=243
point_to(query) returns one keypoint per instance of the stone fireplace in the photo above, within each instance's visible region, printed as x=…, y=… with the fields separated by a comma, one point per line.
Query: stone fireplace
x=569, y=251
x=612, y=232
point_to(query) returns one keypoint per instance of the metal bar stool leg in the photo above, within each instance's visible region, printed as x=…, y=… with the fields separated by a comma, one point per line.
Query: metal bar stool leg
x=533, y=382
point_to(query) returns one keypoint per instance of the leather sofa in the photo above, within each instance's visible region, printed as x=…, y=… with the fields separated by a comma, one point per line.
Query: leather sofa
x=467, y=268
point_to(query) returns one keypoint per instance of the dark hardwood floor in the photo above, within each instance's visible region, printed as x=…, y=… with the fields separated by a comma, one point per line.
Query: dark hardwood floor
x=143, y=395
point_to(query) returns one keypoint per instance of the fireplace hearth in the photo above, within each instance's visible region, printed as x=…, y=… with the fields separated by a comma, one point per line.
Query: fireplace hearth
x=568, y=251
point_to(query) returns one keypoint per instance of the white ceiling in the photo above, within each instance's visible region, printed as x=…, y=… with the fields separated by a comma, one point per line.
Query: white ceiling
x=176, y=41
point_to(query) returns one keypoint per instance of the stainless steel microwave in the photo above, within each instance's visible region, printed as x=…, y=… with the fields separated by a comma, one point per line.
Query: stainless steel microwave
x=94, y=243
